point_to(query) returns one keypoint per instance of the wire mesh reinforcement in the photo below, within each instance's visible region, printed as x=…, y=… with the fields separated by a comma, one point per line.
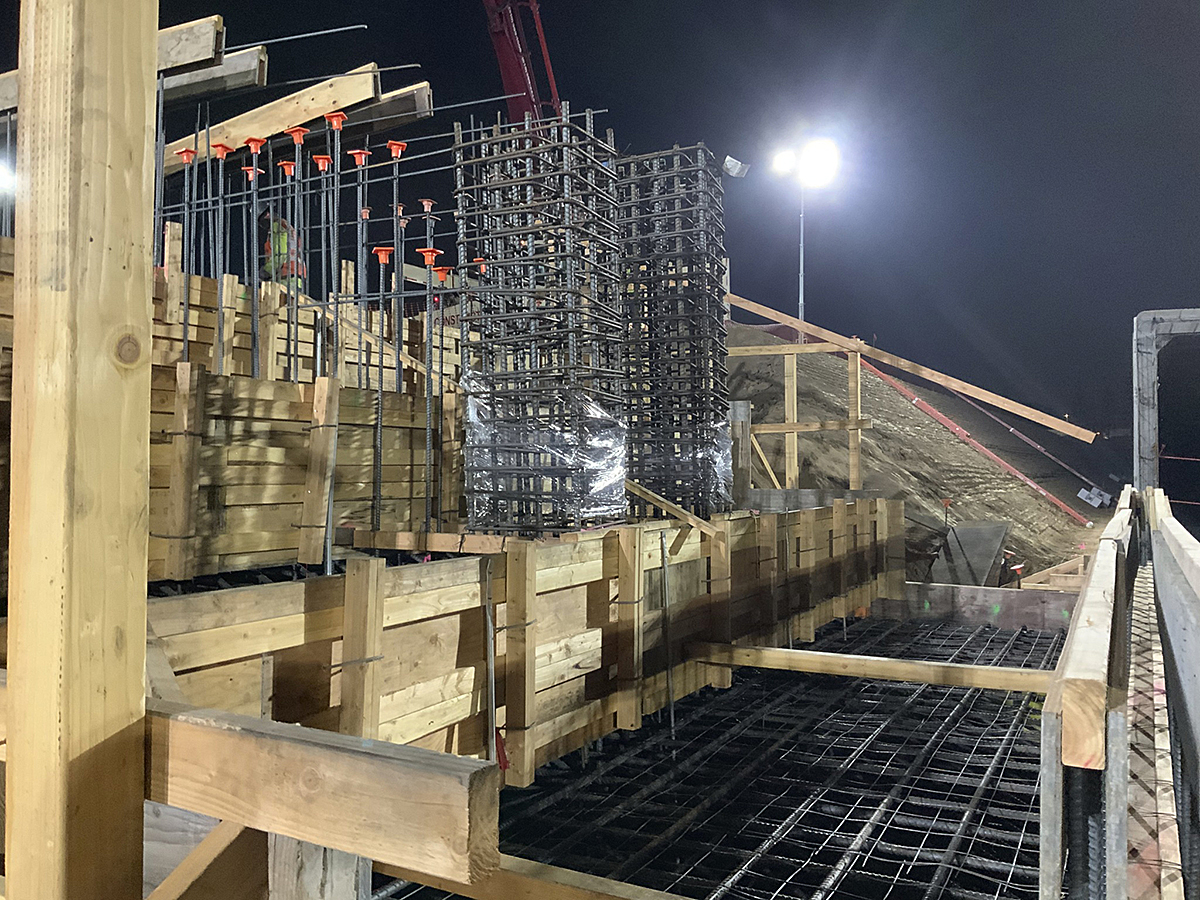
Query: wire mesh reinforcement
x=672, y=288
x=791, y=785
x=542, y=331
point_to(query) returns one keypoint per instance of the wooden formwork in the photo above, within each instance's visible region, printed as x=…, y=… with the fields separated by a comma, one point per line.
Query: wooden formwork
x=591, y=649
x=235, y=462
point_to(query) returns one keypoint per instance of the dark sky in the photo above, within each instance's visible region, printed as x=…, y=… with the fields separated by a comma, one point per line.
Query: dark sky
x=1020, y=179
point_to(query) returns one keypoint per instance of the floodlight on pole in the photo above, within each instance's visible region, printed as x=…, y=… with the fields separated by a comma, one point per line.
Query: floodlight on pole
x=815, y=165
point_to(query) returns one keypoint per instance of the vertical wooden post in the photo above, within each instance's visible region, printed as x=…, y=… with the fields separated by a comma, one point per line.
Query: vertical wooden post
x=173, y=274
x=854, y=412
x=739, y=419
x=361, y=645
x=896, y=555
x=791, y=449
x=231, y=290
x=807, y=563
x=838, y=563
x=80, y=460
x=631, y=587
x=299, y=870
x=344, y=341
x=520, y=682
x=720, y=598
x=269, y=331
x=768, y=564
x=188, y=428
x=322, y=459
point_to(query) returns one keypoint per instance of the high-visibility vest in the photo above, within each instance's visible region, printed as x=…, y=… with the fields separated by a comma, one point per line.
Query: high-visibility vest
x=281, y=252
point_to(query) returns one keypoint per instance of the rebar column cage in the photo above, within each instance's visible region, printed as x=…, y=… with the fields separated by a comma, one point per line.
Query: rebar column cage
x=541, y=329
x=672, y=288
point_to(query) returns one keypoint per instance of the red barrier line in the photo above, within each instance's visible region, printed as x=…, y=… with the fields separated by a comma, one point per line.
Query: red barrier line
x=963, y=435
x=1028, y=440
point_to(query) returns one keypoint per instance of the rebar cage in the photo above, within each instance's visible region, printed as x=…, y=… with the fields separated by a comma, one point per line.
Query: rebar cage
x=672, y=288
x=541, y=329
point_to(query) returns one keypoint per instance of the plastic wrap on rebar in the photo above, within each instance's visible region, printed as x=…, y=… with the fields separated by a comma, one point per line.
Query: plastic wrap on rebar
x=549, y=475
x=541, y=329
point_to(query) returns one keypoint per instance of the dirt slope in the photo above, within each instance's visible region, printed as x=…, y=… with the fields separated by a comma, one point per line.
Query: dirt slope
x=906, y=454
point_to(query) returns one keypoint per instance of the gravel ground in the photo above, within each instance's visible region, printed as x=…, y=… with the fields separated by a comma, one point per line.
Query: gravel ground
x=906, y=454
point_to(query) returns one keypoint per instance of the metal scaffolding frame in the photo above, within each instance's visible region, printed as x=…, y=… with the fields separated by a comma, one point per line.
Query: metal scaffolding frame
x=541, y=333
x=672, y=289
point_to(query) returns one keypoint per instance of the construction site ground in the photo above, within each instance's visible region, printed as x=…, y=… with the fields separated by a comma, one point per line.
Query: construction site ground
x=907, y=454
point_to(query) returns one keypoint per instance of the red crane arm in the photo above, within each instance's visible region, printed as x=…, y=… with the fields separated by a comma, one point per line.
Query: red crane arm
x=516, y=63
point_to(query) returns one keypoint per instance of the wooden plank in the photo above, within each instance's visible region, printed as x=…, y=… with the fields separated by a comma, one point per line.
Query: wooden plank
x=1083, y=664
x=361, y=647
x=79, y=472
x=447, y=542
x=188, y=429
x=322, y=460
x=172, y=306
x=243, y=69
x=854, y=414
x=300, y=108
x=765, y=462
x=791, y=461
x=793, y=428
x=671, y=509
x=784, y=349
x=999, y=678
x=631, y=586
x=270, y=332
x=523, y=879
x=520, y=673
x=223, y=350
x=191, y=44
x=433, y=812
x=931, y=375
x=229, y=864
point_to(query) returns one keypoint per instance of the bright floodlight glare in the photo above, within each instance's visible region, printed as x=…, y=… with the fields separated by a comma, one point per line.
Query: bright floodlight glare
x=784, y=161
x=818, y=163
x=8, y=179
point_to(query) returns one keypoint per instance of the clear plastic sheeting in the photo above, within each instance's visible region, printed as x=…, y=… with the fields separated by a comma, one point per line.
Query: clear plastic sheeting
x=533, y=477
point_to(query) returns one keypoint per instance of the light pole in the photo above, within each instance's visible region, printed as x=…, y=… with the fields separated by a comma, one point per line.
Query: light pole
x=814, y=165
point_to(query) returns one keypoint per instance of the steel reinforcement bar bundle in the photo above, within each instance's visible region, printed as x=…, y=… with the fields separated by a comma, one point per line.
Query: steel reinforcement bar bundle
x=542, y=332
x=593, y=341
x=673, y=273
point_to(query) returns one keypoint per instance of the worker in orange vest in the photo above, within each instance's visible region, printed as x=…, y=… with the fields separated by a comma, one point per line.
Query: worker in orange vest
x=282, y=257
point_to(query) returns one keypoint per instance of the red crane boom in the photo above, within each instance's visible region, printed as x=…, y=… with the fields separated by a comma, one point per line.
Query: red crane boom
x=506, y=25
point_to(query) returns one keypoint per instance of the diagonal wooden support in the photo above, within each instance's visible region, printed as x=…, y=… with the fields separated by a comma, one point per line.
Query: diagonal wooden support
x=229, y=864
x=912, y=368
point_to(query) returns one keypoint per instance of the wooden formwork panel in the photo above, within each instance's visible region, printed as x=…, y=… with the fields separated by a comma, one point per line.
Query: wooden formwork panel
x=434, y=689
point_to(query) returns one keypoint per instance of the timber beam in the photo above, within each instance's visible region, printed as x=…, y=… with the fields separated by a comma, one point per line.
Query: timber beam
x=191, y=45
x=904, y=365
x=853, y=424
x=999, y=678
x=524, y=879
x=434, y=813
x=331, y=95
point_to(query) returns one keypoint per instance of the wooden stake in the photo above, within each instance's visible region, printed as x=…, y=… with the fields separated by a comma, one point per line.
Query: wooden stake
x=188, y=428
x=520, y=658
x=854, y=414
x=173, y=273
x=322, y=458
x=791, y=467
x=80, y=416
x=631, y=585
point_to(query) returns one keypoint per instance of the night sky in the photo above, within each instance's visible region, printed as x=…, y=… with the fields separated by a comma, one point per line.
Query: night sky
x=1019, y=179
